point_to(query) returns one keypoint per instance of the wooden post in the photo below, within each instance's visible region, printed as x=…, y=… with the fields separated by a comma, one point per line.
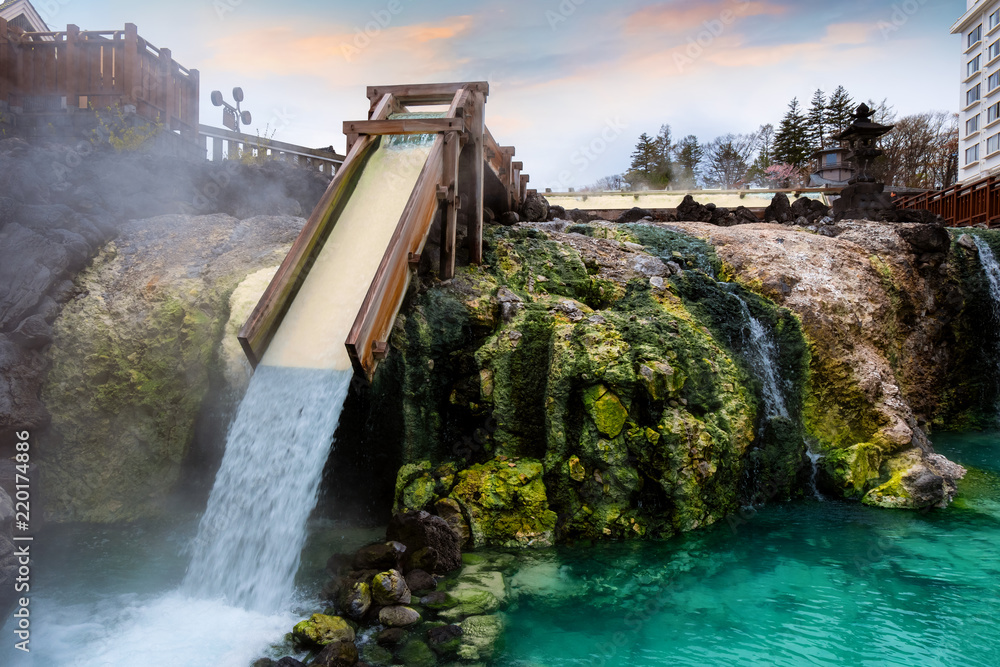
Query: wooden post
x=192, y=114
x=166, y=84
x=477, y=129
x=131, y=66
x=449, y=219
x=70, y=67
x=216, y=149
x=5, y=62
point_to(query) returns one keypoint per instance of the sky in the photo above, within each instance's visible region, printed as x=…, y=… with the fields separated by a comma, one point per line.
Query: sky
x=573, y=83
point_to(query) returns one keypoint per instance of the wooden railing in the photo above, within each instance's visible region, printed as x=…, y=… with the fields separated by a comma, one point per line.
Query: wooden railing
x=962, y=205
x=50, y=71
x=229, y=144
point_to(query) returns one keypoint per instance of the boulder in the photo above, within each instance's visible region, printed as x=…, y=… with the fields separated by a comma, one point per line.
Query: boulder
x=417, y=654
x=337, y=654
x=535, y=208
x=418, y=530
x=449, y=510
x=481, y=637
x=691, y=211
x=398, y=616
x=289, y=662
x=811, y=210
x=356, y=599
x=391, y=636
x=320, y=630
x=557, y=213
x=510, y=218
x=32, y=333
x=379, y=556
x=634, y=214
x=445, y=640
x=780, y=210
x=925, y=238
x=419, y=581
x=389, y=588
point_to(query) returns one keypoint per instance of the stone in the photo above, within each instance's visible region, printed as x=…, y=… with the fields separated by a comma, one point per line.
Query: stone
x=418, y=530
x=398, y=616
x=419, y=581
x=376, y=654
x=384, y=556
x=510, y=218
x=445, y=640
x=691, y=211
x=418, y=654
x=780, y=210
x=356, y=600
x=337, y=654
x=389, y=588
x=391, y=636
x=634, y=215
x=481, y=637
x=32, y=333
x=535, y=208
x=423, y=559
x=605, y=409
x=264, y=662
x=474, y=595
x=926, y=238
x=449, y=510
x=557, y=213
x=289, y=662
x=320, y=630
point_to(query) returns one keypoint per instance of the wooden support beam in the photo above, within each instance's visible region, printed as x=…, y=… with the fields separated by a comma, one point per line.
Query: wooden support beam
x=476, y=126
x=404, y=126
x=428, y=93
x=449, y=213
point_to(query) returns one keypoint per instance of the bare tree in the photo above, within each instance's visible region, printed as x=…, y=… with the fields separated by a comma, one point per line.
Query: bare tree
x=921, y=152
x=728, y=159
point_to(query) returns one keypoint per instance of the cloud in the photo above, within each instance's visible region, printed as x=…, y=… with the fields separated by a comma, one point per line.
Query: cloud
x=690, y=15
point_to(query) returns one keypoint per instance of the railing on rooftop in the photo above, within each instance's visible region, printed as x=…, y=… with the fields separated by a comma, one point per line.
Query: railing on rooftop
x=77, y=69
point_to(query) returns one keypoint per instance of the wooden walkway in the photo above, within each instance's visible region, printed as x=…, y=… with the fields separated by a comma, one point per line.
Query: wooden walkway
x=962, y=205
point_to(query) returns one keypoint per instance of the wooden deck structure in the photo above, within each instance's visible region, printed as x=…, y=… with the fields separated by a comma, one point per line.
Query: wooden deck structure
x=462, y=158
x=77, y=69
x=228, y=144
x=962, y=205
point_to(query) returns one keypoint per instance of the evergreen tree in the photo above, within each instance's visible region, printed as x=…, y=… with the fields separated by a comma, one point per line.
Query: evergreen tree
x=645, y=162
x=765, y=156
x=818, y=126
x=664, y=148
x=791, y=141
x=840, y=110
x=688, y=153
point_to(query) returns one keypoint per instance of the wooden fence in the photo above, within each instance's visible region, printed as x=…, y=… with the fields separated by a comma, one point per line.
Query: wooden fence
x=228, y=144
x=962, y=205
x=50, y=71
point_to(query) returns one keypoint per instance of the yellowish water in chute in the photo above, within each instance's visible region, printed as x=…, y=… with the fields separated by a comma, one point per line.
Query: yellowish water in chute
x=315, y=328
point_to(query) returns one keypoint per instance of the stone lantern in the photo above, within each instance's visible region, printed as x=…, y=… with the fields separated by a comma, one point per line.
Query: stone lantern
x=864, y=197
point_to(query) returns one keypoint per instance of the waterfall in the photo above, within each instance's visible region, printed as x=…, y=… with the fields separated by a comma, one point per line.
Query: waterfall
x=990, y=268
x=253, y=530
x=762, y=355
x=814, y=459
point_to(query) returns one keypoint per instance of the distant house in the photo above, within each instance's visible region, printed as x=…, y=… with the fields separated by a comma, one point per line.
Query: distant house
x=833, y=169
x=20, y=14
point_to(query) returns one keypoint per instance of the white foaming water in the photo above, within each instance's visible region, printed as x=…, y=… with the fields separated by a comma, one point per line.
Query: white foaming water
x=990, y=267
x=763, y=358
x=252, y=533
x=814, y=459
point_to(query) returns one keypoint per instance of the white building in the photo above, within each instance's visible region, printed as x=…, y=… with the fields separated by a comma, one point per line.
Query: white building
x=979, y=105
x=21, y=14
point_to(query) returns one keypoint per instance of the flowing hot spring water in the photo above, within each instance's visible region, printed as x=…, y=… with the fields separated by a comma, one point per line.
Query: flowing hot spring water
x=237, y=594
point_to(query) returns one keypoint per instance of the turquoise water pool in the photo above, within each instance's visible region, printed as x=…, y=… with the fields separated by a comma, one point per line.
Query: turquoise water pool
x=807, y=583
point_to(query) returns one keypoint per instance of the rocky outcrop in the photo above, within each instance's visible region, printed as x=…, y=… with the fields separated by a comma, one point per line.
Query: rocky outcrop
x=535, y=208
x=876, y=310
x=60, y=205
x=134, y=353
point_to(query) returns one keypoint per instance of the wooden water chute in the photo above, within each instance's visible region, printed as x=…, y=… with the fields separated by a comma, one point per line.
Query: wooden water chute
x=459, y=161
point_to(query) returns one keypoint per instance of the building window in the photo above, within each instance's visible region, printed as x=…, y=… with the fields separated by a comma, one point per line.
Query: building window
x=994, y=50
x=993, y=82
x=972, y=154
x=831, y=158
x=976, y=34
x=994, y=19
x=972, y=125
x=993, y=113
x=973, y=66
x=993, y=144
x=972, y=95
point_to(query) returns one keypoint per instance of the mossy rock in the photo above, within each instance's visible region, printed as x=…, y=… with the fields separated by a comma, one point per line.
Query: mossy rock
x=606, y=410
x=506, y=504
x=481, y=637
x=417, y=654
x=320, y=630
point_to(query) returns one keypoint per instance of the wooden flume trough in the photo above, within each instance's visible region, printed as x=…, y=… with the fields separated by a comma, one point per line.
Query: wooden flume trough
x=464, y=159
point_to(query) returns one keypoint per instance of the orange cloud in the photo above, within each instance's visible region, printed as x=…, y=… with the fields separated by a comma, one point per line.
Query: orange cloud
x=674, y=18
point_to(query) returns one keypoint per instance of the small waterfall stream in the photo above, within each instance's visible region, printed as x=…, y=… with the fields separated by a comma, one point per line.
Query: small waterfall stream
x=762, y=354
x=253, y=530
x=992, y=270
